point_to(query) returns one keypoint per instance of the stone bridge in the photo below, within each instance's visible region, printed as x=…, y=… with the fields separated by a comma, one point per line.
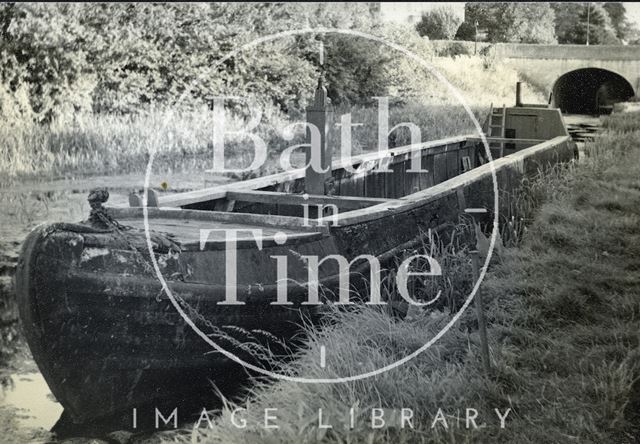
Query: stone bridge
x=577, y=78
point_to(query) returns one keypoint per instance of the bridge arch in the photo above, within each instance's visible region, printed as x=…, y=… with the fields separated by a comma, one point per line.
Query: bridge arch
x=590, y=91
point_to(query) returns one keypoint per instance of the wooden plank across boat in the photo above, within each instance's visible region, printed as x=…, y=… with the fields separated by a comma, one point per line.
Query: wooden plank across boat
x=105, y=335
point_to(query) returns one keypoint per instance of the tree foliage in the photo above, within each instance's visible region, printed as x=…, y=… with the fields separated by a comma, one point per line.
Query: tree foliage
x=618, y=15
x=564, y=23
x=441, y=23
x=573, y=20
x=514, y=22
x=595, y=21
x=119, y=57
x=466, y=31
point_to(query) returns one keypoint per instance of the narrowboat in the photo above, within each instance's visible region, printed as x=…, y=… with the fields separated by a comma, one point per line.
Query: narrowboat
x=108, y=339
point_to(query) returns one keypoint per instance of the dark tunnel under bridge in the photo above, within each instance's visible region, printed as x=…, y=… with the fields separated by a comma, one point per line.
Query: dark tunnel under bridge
x=590, y=91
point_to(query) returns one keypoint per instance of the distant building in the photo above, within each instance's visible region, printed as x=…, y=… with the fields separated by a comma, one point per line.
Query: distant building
x=410, y=12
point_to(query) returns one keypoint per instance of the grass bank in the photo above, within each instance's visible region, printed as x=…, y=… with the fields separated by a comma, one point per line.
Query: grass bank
x=563, y=317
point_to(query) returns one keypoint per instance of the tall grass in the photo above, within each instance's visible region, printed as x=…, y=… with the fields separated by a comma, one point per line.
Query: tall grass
x=563, y=315
x=524, y=201
x=622, y=123
x=88, y=144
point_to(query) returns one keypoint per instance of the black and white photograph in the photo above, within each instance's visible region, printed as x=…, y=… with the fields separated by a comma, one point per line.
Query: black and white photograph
x=320, y=222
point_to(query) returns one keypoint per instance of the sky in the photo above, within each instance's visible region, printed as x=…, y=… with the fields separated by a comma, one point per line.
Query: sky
x=633, y=12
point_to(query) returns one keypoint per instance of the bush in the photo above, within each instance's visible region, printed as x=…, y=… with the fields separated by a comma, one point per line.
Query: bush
x=439, y=24
x=453, y=50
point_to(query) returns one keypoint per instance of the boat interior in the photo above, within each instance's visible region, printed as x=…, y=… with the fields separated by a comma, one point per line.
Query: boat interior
x=375, y=180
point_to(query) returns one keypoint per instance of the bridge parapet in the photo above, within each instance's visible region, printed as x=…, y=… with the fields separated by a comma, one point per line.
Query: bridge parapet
x=567, y=52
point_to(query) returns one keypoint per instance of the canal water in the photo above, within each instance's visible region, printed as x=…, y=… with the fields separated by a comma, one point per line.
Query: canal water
x=28, y=407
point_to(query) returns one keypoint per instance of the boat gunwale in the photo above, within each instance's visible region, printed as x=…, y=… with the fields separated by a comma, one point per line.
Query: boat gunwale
x=349, y=217
x=443, y=189
x=265, y=220
x=404, y=203
x=220, y=191
x=420, y=198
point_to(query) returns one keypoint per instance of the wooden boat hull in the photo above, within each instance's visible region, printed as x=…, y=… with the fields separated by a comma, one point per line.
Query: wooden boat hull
x=107, y=339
